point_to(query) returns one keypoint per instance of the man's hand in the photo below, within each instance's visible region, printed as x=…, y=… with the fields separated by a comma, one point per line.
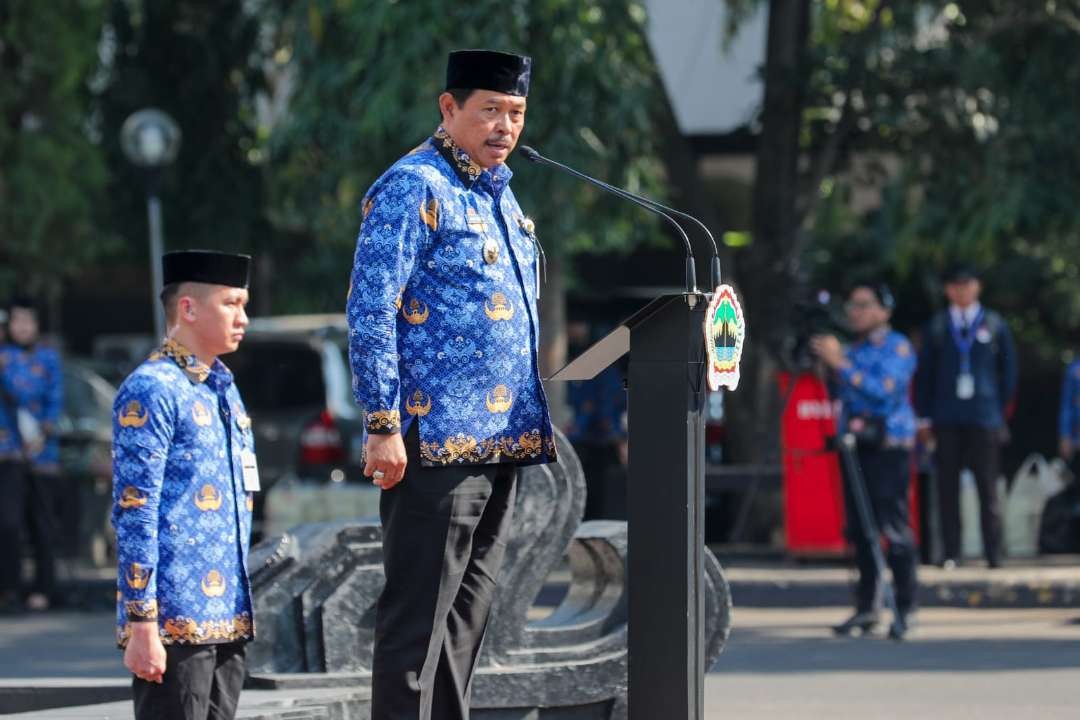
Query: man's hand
x=33, y=449
x=145, y=655
x=829, y=350
x=1066, y=449
x=385, y=453
x=925, y=434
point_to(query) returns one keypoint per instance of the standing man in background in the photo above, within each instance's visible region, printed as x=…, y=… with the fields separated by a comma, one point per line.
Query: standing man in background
x=443, y=341
x=873, y=383
x=184, y=476
x=966, y=380
x=31, y=398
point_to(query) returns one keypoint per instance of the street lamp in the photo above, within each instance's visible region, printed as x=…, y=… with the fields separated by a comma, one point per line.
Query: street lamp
x=151, y=139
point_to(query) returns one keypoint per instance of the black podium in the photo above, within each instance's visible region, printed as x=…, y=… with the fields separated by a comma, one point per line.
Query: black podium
x=666, y=385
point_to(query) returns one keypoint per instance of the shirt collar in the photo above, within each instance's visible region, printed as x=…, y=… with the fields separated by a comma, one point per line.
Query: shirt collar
x=877, y=337
x=965, y=316
x=195, y=369
x=465, y=168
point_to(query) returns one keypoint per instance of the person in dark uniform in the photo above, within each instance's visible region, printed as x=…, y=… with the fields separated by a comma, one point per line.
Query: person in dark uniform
x=443, y=339
x=1069, y=418
x=597, y=433
x=31, y=399
x=966, y=380
x=873, y=382
x=184, y=475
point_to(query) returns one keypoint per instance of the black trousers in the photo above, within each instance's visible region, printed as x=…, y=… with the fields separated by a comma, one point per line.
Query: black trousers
x=887, y=473
x=444, y=537
x=201, y=682
x=28, y=505
x=977, y=449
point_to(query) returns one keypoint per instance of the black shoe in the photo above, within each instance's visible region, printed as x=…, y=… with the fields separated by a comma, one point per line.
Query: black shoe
x=993, y=562
x=901, y=625
x=10, y=605
x=865, y=622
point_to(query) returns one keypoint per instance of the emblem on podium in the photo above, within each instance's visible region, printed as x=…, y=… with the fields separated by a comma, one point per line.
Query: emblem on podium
x=725, y=332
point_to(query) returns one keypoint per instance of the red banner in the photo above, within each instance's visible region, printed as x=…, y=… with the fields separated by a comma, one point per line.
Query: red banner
x=813, y=493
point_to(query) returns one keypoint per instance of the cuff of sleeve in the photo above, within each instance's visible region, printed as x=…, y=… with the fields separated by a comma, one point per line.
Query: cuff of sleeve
x=384, y=422
x=141, y=610
x=851, y=376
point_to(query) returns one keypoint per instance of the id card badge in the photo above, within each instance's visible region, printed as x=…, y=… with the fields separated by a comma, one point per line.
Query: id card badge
x=251, y=471
x=965, y=386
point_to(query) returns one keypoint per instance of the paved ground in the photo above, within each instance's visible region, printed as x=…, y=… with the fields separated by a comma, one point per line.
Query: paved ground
x=960, y=663
x=780, y=663
x=1052, y=581
x=1020, y=660
x=59, y=644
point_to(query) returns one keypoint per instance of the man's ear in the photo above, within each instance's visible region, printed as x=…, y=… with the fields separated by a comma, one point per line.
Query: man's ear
x=186, y=308
x=447, y=105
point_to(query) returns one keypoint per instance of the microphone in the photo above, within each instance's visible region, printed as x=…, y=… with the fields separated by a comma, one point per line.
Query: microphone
x=653, y=207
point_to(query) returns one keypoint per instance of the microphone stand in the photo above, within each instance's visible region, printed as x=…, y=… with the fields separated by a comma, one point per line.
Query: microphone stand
x=691, y=268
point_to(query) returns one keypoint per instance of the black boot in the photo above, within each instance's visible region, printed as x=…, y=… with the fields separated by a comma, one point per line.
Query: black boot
x=902, y=625
x=865, y=622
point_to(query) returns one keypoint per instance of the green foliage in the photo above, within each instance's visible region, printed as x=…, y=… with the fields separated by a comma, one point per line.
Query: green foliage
x=51, y=171
x=367, y=74
x=978, y=103
x=200, y=63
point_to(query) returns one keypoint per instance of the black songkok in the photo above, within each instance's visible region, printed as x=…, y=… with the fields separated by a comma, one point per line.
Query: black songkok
x=206, y=266
x=960, y=272
x=488, y=70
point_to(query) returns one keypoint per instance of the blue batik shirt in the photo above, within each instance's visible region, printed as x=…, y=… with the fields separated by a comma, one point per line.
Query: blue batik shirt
x=182, y=517
x=1069, y=419
x=443, y=323
x=31, y=379
x=877, y=384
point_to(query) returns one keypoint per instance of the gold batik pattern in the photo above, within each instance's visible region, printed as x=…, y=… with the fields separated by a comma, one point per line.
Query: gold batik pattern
x=461, y=449
x=186, y=631
x=389, y=420
x=462, y=160
x=183, y=357
x=141, y=609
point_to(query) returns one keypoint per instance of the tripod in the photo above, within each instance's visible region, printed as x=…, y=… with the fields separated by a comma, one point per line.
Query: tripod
x=857, y=484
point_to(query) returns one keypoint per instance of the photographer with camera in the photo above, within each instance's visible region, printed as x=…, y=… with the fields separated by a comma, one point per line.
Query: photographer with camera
x=872, y=378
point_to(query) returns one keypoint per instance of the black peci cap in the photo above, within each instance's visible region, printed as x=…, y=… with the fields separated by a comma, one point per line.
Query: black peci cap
x=488, y=70
x=960, y=272
x=206, y=266
x=23, y=302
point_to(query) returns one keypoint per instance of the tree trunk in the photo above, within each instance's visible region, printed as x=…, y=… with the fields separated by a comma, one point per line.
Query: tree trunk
x=689, y=194
x=767, y=272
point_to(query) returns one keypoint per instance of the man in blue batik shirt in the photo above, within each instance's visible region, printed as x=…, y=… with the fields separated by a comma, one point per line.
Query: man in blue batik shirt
x=1069, y=419
x=31, y=397
x=873, y=381
x=184, y=475
x=443, y=345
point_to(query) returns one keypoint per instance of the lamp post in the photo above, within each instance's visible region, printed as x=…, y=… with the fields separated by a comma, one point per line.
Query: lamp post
x=151, y=139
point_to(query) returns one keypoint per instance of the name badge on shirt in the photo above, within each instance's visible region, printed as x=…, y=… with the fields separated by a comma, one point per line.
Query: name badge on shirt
x=965, y=386
x=251, y=471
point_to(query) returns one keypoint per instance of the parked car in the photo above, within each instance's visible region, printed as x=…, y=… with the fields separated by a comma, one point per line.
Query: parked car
x=293, y=373
x=84, y=503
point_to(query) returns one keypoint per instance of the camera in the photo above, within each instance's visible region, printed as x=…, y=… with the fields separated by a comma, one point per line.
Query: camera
x=812, y=313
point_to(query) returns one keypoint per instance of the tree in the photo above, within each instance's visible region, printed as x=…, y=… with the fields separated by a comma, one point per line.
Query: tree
x=202, y=64
x=962, y=114
x=51, y=170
